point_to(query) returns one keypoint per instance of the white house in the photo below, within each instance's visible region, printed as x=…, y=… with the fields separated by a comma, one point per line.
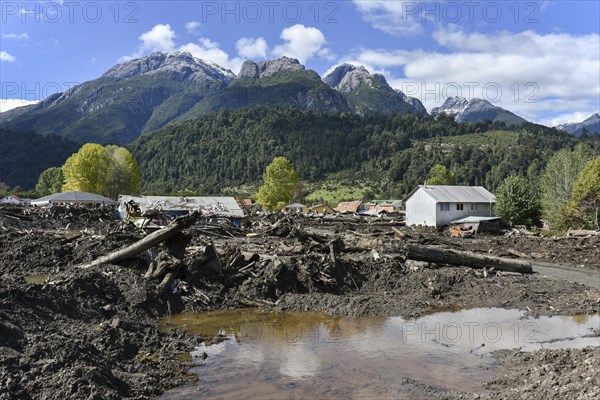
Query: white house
x=434, y=205
x=11, y=199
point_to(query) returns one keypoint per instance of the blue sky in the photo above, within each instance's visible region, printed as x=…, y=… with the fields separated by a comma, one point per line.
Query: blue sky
x=540, y=59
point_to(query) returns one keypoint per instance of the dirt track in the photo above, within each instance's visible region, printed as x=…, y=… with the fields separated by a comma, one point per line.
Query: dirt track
x=73, y=333
x=568, y=273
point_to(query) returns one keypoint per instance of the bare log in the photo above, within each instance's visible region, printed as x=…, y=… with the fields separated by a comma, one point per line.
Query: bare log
x=465, y=258
x=146, y=243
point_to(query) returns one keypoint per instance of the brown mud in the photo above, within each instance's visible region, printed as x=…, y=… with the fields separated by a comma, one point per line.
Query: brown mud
x=68, y=332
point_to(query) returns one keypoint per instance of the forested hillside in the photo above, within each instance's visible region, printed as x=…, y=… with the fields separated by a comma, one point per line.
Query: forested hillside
x=393, y=152
x=24, y=155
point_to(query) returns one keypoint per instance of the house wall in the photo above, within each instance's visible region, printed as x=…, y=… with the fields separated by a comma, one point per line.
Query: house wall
x=423, y=210
x=322, y=210
x=420, y=209
x=9, y=200
x=445, y=217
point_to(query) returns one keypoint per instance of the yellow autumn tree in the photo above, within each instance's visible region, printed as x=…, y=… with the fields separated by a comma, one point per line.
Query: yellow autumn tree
x=279, y=180
x=108, y=171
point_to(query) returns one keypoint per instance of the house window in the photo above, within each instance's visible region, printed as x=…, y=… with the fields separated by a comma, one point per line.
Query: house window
x=473, y=207
x=445, y=206
x=460, y=206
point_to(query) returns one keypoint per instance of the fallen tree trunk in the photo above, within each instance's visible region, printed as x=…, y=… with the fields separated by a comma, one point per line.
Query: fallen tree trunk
x=146, y=243
x=465, y=258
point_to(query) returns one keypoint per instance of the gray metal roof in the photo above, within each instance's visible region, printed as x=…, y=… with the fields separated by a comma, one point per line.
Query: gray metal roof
x=456, y=194
x=221, y=206
x=295, y=205
x=73, y=197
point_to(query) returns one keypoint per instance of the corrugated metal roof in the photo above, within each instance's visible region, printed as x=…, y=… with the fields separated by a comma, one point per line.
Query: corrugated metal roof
x=221, y=206
x=295, y=205
x=73, y=197
x=349, y=206
x=393, y=203
x=456, y=194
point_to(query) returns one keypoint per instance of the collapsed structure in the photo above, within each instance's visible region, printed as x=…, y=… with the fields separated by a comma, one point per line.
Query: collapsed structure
x=160, y=209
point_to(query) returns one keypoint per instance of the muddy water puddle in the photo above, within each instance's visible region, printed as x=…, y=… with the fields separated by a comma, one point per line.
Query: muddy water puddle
x=314, y=355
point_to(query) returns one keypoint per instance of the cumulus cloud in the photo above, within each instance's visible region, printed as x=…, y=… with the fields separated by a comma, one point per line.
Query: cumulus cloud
x=208, y=50
x=301, y=42
x=15, y=36
x=159, y=38
x=529, y=73
x=399, y=18
x=5, y=56
x=192, y=26
x=577, y=116
x=252, y=48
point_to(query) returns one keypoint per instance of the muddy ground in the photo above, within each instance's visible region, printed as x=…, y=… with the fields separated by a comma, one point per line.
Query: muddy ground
x=70, y=332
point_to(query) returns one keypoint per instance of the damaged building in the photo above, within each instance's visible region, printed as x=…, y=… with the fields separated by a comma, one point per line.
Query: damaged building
x=161, y=209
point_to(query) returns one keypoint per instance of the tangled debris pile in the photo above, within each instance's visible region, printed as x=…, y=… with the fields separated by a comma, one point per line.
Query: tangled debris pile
x=73, y=332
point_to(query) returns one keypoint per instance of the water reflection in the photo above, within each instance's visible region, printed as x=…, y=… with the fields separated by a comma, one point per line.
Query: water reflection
x=316, y=355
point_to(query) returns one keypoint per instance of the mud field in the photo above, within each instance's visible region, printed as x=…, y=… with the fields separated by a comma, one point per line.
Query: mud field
x=93, y=333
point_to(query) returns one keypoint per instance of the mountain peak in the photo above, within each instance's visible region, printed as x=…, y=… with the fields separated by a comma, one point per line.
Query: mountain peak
x=251, y=69
x=347, y=77
x=590, y=124
x=452, y=106
x=476, y=110
x=183, y=64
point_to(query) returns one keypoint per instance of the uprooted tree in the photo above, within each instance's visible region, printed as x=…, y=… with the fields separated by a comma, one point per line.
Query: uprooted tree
x=279, y=181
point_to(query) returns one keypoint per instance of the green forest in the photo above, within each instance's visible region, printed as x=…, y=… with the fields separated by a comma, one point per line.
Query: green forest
x=387, y=153
x=337, y=155
x=24, y=155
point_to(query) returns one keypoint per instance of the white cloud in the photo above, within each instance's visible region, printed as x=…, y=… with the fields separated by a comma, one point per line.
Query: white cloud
x=528, y=73
x=302, y=43
x=9, y=104
x=395, y=17
x=577, y=116
x=208, y=50
x=5, y=56
x=252, y=48
x=192, y=26
x=159, y=38
x=16, y=36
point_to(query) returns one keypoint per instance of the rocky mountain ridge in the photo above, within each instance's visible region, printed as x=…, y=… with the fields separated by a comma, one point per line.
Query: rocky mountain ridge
x=145, y=94
x=475, y=110
x=590, y=124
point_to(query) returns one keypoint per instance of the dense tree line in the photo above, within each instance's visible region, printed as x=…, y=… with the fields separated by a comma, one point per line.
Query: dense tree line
x=234, y=147
x=24, y=155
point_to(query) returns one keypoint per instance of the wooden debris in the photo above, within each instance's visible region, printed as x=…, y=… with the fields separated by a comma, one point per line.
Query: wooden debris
x=465, y=258
x=146, y=243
